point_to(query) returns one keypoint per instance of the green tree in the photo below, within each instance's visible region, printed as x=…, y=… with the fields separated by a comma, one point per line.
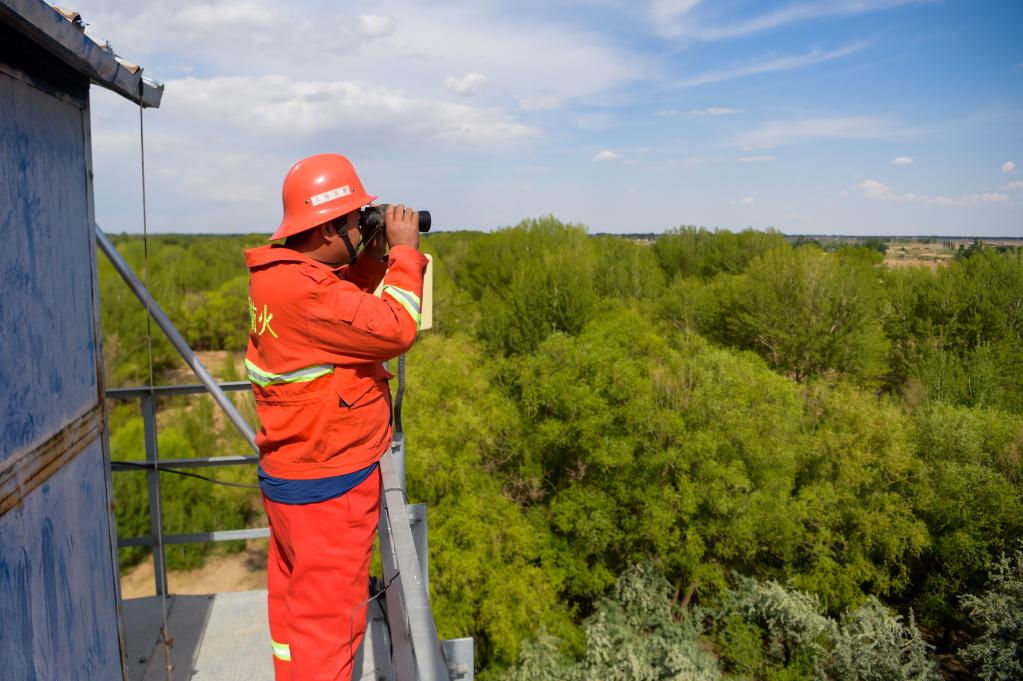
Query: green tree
x=218, y=319
x=532, y=280
x=811, y=314
x=626, y=270
x=857, y=488
x=973, y=505
x=966, y=322
x=688, y=251
x=875, y=243
x=494, y=572
x=706, y=460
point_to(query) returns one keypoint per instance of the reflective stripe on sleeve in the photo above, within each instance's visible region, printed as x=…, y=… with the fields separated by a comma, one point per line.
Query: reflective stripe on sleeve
x=264, y=378
x=408, y=300
x=282, y=651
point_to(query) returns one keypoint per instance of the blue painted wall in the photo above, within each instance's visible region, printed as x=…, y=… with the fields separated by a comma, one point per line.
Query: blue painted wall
x=48, y=363
x=58, y=595
x=57, y=612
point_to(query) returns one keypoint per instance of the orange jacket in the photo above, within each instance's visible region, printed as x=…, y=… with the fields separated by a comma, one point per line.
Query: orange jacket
x=317, y=338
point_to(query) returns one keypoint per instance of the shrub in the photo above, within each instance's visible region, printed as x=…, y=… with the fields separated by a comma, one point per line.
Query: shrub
x=997, y=653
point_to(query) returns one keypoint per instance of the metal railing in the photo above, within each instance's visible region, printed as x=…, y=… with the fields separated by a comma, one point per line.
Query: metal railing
x=417, y=651
x=152, y=466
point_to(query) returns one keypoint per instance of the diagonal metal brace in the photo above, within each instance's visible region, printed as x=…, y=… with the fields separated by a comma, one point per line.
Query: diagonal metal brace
x=174, y=336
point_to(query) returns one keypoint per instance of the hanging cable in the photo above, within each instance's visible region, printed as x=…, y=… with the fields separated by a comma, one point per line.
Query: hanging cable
x=164, y=631
x=150, y=466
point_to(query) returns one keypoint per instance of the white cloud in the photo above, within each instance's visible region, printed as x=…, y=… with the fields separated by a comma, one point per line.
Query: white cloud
x=468, y=85
x=595, y=121
x=693, y=160
x=664, y=12
x=777, y=133
x=714, y=111
x=676, y=19
x=228, y=14
x=769, y=65
x=667, y=113
x=1015, y=184
x=542, y=103
x=262, y=35
x=1008, y=167
x=754, y=159
x=902, y=161
x=746, y=201
x=414, y=45
x=872, y=189
x=295, y=109
x=606, y=155
x=376, y=26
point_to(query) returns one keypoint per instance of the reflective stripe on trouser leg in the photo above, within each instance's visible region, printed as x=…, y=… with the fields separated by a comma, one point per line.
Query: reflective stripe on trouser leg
x=282, y=651
x=278, y=574
x=329, y=545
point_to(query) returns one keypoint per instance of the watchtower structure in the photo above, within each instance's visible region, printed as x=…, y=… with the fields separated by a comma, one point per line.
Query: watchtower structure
x=59, y=613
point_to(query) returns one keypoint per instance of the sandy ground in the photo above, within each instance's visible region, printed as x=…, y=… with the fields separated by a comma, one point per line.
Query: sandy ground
x=234, y=572
x=213, y=360
x=915, y=262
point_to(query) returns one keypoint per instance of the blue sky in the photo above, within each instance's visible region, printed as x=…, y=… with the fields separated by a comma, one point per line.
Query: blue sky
x=837, y=116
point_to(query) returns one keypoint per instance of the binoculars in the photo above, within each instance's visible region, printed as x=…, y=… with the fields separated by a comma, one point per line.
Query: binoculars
x=371, y=219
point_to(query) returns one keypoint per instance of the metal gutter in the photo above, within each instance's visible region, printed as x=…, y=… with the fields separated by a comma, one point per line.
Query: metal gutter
x=64, y=36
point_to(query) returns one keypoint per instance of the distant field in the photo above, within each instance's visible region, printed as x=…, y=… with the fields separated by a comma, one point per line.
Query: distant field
x=934, y=252
x=914, y=251
x=908, y=253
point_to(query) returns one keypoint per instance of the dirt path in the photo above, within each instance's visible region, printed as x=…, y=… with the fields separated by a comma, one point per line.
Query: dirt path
x=235, y=572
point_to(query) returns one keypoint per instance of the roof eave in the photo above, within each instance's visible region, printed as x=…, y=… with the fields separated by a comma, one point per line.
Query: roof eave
x=67, y=41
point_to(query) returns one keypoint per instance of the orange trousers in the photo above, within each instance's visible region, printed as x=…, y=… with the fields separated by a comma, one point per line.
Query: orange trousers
x=318, y=582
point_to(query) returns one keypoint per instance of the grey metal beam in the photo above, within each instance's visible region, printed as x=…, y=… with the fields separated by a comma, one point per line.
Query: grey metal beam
x=174, y=336
x=460, y=658
x=199, y=462
x=196, y=537
x=420, y=537
x=402, y=661
x=186, y=389
x=398, y=458
x=422, y=630
x=153, y=480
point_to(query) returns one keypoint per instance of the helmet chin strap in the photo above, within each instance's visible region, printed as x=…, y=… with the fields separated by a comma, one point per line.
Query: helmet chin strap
x=353, y=252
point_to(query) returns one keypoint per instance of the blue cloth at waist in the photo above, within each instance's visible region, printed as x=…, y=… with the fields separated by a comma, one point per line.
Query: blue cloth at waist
x=285, y=491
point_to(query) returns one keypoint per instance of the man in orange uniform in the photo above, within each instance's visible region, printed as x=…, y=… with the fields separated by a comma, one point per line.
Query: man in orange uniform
x=317, y=338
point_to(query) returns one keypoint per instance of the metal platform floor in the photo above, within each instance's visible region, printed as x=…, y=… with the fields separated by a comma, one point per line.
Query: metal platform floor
x=224, y=637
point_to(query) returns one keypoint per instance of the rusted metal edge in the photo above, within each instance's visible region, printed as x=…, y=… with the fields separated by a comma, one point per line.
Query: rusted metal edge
x=66, y=40
x=27, y=471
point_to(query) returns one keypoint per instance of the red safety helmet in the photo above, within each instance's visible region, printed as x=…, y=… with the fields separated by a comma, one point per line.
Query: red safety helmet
x=317, y=190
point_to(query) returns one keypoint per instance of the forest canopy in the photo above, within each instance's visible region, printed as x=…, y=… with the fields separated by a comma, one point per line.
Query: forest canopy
x=679, y=444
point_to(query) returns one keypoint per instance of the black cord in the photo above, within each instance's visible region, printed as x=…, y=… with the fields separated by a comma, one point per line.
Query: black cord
x=398, y=489
x=365, y=603
x=148, y=466
x=399, y=396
